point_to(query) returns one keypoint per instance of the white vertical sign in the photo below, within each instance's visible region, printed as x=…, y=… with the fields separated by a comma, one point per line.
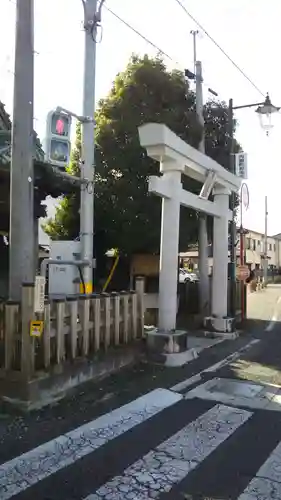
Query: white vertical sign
x=39, y=294
x=241, y=165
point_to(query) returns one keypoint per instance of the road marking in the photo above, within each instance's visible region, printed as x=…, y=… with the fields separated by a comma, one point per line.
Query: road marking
x=26, y=470
x=267, y=483
x=274, y=318
x=169, y=463
x=181, y=386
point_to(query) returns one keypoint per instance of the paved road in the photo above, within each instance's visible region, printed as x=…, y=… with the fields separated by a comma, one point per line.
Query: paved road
x=160, y=446
x=168, y=442
x=263, y=305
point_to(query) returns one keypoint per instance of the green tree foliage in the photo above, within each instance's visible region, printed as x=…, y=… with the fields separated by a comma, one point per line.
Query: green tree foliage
x=127, y=217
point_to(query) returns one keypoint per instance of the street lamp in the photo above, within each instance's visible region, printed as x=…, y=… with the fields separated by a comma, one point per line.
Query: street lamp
x=264, y=109
x=265, y=112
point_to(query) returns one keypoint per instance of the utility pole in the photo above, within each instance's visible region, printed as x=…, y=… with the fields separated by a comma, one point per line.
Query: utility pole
x=21, y=240
x=203, y=234
x=232, y=225
x=91, y=22
x=194, y=34
x=265, y=242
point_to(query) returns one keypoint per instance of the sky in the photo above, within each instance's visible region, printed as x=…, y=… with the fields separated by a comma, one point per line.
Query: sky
x=238, y=26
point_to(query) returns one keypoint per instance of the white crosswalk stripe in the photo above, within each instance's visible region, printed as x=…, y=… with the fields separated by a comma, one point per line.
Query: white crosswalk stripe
x=267, y=483
x=160, y=467
x=26, y=470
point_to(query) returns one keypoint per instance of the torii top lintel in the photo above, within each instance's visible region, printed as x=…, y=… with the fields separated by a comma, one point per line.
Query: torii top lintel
x=163, y=145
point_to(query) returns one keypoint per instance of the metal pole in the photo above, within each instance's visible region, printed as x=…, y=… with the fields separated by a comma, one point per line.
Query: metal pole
x=203, y=235
x=265, y=241
x=194, y=33
x=232, y=223
x=88, y=146
x=242, y=284
x=21, y=241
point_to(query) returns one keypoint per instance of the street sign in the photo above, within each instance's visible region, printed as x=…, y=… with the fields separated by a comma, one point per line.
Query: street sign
x=242, y=273
x=36, y=328
x=241, y=165
x=39, y=294
x=244, y=195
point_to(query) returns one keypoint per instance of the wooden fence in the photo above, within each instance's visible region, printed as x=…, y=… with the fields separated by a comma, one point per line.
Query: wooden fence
x=73, y=328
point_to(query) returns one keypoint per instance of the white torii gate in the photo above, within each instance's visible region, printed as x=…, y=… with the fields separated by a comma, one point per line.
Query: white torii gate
x=176, y=157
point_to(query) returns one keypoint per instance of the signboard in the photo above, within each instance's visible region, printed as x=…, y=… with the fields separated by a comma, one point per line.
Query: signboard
x=36, y=328
x=39, y=294
x=242, y=273
x=244, y=195
x=241, y=165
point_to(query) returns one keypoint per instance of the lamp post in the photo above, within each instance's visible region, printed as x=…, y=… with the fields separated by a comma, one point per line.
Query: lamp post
x=265, y=110
x=244, y=203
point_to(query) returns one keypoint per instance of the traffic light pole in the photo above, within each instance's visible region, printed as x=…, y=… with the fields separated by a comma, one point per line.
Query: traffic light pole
x=21, y=236
x=232, y=222
x=91, y=20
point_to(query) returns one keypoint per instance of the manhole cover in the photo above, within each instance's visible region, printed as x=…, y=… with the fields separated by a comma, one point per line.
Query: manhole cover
x=236, y=388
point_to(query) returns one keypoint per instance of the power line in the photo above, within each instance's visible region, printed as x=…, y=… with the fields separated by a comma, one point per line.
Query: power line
x=141, y=35
x=220, y=48
x=156, y=47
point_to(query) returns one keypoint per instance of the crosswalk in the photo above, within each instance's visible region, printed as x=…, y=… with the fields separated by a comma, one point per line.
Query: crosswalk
x=159, y=446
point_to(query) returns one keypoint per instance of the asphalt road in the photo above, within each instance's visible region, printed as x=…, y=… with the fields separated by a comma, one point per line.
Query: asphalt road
x=141, y=436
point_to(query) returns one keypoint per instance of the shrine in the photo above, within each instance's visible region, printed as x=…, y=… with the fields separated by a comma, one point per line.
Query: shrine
x=177, y=158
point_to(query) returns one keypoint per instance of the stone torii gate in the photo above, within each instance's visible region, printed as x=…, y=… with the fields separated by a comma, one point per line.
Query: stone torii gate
x=178, y=158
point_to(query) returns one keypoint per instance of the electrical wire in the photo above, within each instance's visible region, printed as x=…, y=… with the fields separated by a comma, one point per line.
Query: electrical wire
x=159, y=50
x=141, y=35
x=220, y=48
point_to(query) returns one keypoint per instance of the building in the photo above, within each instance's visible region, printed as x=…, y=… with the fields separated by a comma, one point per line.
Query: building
x=254, y=252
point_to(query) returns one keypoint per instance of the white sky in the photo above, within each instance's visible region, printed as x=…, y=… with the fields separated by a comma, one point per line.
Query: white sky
x=239, y=26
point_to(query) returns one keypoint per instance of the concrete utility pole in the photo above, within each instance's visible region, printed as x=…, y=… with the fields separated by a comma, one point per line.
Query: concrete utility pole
x=91, y=22
x=194, y=34
x=21, y=241
x=265, y=241
x=203, y=235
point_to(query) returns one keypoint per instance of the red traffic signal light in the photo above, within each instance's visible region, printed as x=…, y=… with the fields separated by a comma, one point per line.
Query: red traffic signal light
x=60, y=124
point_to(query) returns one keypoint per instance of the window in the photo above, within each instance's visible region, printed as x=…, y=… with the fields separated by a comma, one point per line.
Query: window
x=254, y=244
x=270, y=247
x=248, y=243
x=259, y=243
x=274, y=247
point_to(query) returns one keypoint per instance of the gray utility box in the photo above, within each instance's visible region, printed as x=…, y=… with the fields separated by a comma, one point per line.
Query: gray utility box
x=64, y=279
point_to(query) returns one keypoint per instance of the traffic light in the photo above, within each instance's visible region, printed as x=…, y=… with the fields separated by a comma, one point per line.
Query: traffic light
x=57, y=142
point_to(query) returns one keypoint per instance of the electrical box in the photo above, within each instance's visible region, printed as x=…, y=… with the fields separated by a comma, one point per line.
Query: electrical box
x=64, y=279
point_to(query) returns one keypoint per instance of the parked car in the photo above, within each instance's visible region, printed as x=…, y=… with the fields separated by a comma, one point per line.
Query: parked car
x=185, y=276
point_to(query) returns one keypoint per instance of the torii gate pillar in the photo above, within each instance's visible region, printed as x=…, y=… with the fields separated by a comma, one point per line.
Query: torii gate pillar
x=220, y=255
x=169, y=249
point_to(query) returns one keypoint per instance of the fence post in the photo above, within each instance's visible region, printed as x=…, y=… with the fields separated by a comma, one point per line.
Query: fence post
x=125, y=300
x=96, y=306
x=27, y=342
x=47, y=334
x=73, y=313
x=134, y=314
x=10, y=327
x=140, y=284
x=116, y=317
x=60, y=314
x=107, y=319
x=84, y=306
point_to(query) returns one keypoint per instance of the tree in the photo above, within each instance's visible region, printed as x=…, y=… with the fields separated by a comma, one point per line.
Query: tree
x=127, y=217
